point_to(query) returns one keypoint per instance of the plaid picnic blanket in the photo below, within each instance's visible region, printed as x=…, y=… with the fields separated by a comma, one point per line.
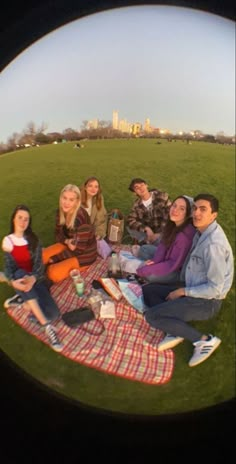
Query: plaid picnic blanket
x=126, y=348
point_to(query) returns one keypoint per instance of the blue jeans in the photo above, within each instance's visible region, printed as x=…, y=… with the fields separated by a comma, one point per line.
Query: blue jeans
x=172, y=316
x=141, y=236
x=40, y=293
x=147, y=252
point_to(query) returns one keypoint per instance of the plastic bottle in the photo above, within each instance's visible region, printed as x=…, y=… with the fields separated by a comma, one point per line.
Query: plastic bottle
x=114, y=263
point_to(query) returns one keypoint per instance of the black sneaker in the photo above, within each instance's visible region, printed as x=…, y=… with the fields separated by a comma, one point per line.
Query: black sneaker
x=14, y=301
x=135, y=278
x=54, y=342
x=130, y=277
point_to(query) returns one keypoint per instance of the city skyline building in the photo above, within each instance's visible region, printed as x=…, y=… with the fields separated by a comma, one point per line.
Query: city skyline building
x=127, y=127
x=115, y=120
x=137, y=129
x=92, y=124
x=124, y=126
x=147, y=126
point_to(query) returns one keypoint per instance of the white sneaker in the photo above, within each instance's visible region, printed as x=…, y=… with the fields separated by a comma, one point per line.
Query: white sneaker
x=169, y=342
x=203, y=349
x=13, y=302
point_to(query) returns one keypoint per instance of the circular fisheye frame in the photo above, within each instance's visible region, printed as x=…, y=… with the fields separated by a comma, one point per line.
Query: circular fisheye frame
x=117, y=380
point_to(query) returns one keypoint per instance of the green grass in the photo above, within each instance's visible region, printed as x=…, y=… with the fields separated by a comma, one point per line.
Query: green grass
x=35, y=177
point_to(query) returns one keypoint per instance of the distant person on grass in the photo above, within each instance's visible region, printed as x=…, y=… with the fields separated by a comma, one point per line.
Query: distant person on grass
x=207, y=277
x=76, y=244
x=148, y=214
x=24, y=270
x=175, y=243
x=93, y=202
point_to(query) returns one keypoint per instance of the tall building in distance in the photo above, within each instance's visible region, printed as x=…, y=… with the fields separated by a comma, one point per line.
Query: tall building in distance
x=124, y=126
x=147, y=127
x=136, y=128
x=92, y=124
x=115, y=120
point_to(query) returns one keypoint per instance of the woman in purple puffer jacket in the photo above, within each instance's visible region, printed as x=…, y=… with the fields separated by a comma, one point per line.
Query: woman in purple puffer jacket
x=174, y=246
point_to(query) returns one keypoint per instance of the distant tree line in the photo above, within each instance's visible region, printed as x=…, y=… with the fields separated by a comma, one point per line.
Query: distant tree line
x=35, y=136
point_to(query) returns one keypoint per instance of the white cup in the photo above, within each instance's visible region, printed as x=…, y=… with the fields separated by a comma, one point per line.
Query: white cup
x=74, y=274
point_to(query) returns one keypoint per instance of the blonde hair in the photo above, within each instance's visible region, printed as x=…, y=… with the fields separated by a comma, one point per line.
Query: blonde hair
x=62, y=218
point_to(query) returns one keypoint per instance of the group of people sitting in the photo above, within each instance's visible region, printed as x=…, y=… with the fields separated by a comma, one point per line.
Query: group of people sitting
x=187, y=261
x=80, y=220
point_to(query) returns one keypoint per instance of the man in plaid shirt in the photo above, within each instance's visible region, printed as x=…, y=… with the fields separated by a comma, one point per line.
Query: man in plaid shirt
x=148, y=214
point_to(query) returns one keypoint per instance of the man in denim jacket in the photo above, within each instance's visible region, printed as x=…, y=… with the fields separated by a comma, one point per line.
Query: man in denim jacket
x=206, y=276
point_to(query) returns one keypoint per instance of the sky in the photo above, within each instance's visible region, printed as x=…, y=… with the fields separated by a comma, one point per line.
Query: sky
x=173, y=65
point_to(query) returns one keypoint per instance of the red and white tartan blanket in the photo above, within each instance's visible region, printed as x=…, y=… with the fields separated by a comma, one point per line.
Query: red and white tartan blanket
x=126, y=348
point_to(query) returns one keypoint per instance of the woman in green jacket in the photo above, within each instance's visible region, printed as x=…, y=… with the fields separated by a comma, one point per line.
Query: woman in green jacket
x=93, y=202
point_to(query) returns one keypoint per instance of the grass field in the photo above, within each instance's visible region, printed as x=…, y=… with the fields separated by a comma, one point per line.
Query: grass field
x=35, y=177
